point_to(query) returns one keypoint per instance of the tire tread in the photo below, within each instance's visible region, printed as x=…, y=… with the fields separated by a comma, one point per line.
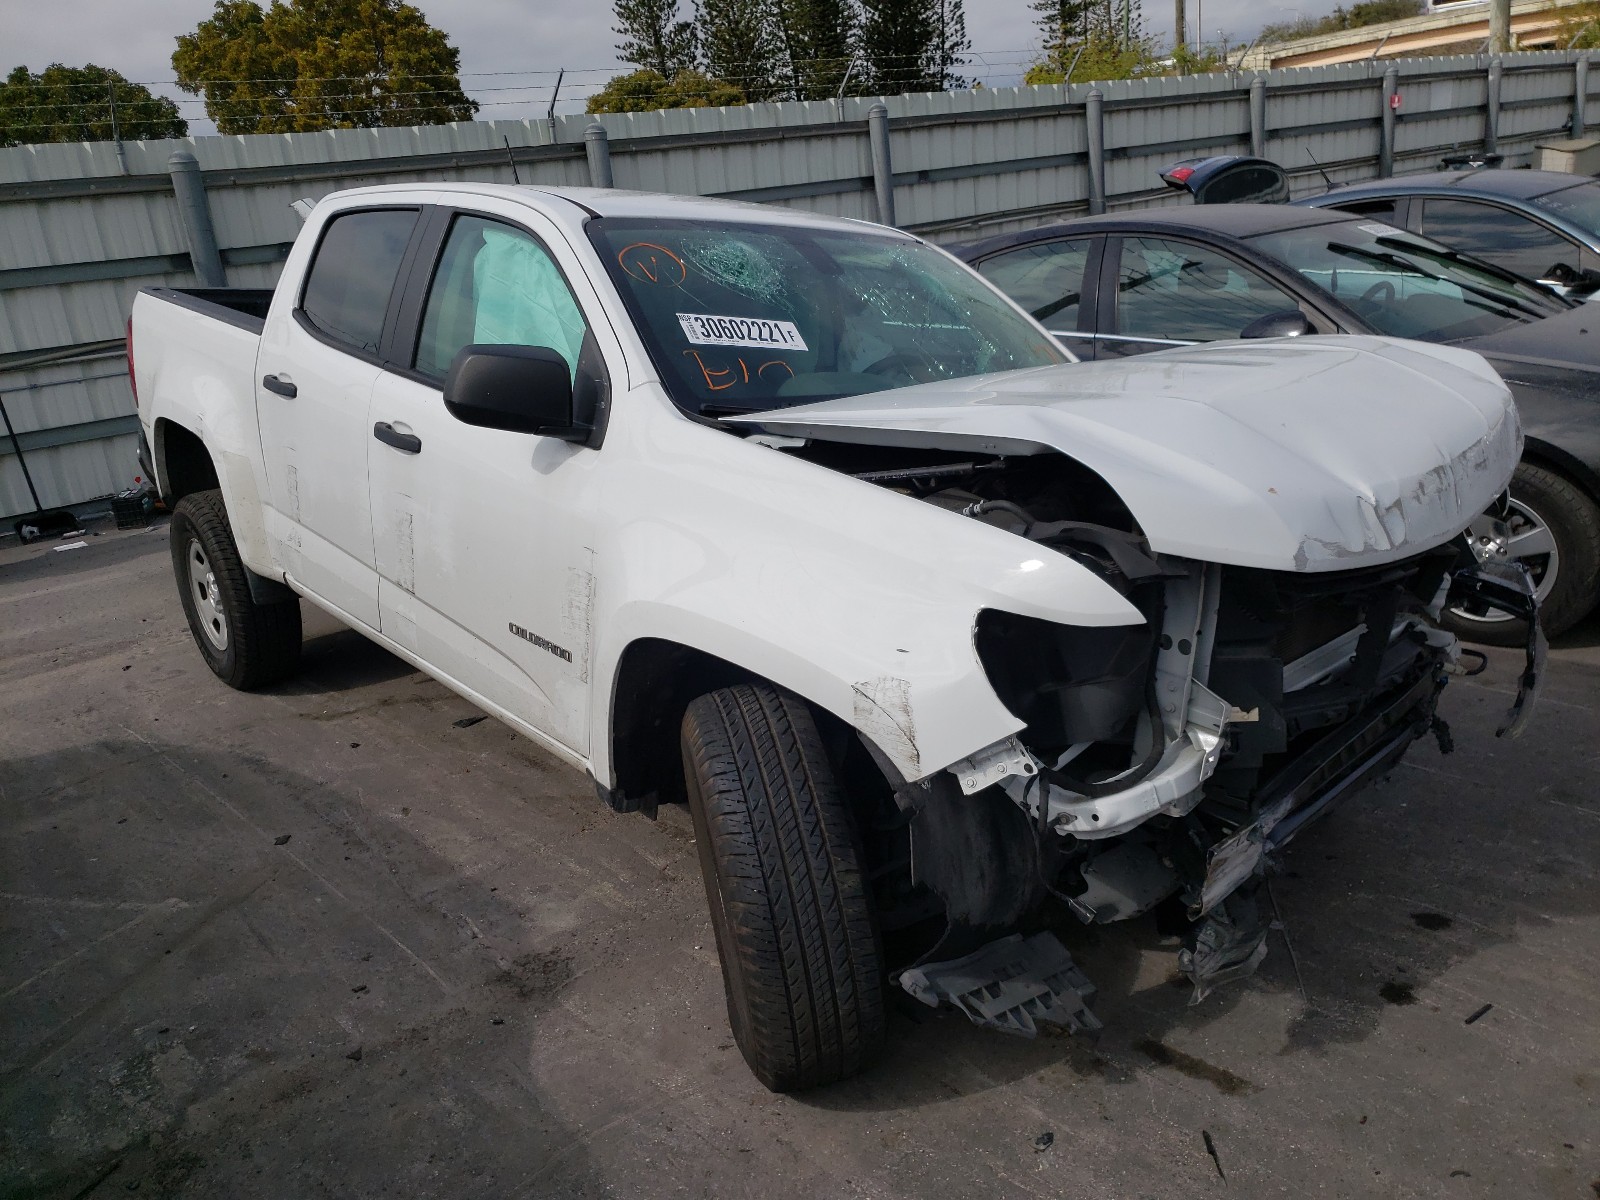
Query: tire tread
x=787, y=870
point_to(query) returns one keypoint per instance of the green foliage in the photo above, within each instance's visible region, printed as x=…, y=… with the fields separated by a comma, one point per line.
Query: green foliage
x=1186, y=60
x=321, y=64
x=819, y=39
x=1102, y=59
x=912, y=45
x=740, y=43
x=1104, y=38
x=654, y=38
x=1366, y=12
x=646, y=91
x=75, y=104
x=1580, y=27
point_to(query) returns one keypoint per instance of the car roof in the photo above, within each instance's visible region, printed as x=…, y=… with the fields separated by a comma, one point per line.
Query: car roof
x=1231, y=220
x=567, y=203
x=1509, y=185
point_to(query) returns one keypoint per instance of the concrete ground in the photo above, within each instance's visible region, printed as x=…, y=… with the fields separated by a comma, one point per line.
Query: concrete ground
x=323, y=941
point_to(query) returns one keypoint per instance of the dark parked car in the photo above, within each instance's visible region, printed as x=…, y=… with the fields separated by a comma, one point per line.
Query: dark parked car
x=1139, y=282
x=1541, y=224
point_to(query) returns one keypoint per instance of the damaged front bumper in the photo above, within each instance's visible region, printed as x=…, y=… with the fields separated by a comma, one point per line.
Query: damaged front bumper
x=1168, y=833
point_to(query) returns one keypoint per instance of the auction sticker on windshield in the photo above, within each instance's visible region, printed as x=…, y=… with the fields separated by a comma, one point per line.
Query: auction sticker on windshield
x=757, y=334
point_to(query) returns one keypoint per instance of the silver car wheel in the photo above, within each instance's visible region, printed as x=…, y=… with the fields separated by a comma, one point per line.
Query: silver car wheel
x=208, y=608
x=1522, y=537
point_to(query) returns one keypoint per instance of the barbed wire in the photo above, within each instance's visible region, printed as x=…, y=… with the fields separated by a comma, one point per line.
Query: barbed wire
x=770, y=70
x=980, y=56
x=780, y=75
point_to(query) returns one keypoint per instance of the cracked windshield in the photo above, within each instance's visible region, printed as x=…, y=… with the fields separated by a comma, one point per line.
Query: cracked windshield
x=741, y=318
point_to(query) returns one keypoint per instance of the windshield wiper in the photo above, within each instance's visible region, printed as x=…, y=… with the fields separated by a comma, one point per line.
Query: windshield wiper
x=1405, y=264
x=1468, y=260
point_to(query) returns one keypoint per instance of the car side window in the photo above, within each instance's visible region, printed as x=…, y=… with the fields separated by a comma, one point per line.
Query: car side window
x=1046, y=278
x=1496, y=234
x=1384, y=208
x=496, y=285
x=1176, y=291
x=347, y=288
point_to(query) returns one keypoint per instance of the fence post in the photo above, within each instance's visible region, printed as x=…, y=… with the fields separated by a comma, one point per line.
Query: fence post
x=597, y=146
x=1391, y=89
x=882, y=166
x=1095, y=117
x=1580, y=95
x=1491, y=114
x=194, y=214
x=1258, y=116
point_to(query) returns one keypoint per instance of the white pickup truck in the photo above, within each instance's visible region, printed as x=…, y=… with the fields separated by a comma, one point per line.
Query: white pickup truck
x=798, y=521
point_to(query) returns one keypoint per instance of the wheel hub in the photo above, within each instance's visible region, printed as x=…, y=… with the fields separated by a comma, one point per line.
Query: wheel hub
x=208, y=610
x=1524, y=537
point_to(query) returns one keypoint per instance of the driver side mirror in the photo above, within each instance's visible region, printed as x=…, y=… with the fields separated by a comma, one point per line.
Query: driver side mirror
x=1291, y=322
x=521, y=389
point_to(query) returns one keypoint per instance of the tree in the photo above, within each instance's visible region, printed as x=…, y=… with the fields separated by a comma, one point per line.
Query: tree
x=646, y=91
x=950, y=44
x=321, y=64
x=655, y=39
x=913, y=45
x=1090, y=39
x=818, y=39
x=82, y=104
x=1063, y=26
x=897, y=45
x=740, y=42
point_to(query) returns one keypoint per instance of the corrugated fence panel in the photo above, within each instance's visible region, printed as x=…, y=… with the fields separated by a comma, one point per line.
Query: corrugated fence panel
x=79, y=235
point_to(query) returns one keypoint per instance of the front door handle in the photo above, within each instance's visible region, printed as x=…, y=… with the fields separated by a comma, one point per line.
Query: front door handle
x=390, y=436
x=280, y=385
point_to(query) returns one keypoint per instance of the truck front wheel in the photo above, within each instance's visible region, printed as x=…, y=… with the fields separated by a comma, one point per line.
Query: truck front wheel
x=789, y=902
x=246, y=643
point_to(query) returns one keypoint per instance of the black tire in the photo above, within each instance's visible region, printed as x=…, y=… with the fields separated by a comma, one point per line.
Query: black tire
x=801, y=962
x=245, y=643
x=1568, y=580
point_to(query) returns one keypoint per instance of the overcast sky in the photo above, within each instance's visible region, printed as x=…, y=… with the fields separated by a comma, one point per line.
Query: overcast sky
x=511, y=49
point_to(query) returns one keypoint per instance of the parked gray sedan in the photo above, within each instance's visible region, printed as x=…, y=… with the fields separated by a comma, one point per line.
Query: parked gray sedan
x=1138, y=282
x=1544, y=225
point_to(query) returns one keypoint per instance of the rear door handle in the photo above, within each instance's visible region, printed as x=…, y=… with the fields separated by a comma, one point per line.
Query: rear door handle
x=390, y=436
x=280, y=385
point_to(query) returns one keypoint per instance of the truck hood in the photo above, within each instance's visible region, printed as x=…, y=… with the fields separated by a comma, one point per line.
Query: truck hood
x=1303, y=454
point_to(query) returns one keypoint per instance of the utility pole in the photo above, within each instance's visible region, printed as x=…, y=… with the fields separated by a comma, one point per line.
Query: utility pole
x=1499, y=26
x=1180, y=35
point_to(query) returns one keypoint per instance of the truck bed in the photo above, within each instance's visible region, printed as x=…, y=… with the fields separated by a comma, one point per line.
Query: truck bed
x=243, y=307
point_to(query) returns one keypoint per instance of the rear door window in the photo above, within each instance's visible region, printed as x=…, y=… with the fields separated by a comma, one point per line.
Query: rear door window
x=1497, y=234
x=1386, y=208
x=348, y=287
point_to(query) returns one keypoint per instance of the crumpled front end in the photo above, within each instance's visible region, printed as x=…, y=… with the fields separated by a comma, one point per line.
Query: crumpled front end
x=1172, y=767
x=1165, y=763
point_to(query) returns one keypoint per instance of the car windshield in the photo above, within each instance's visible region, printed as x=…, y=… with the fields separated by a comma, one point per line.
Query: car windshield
x=748, y=317
x=1406, y=286
x=1580, y=205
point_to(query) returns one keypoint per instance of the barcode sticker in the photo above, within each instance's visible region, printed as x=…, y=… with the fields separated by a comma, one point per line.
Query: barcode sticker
x=760, y=334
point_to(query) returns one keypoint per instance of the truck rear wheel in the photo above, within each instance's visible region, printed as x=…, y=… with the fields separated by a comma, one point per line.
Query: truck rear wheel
x=789, y=902
x=247, y=644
